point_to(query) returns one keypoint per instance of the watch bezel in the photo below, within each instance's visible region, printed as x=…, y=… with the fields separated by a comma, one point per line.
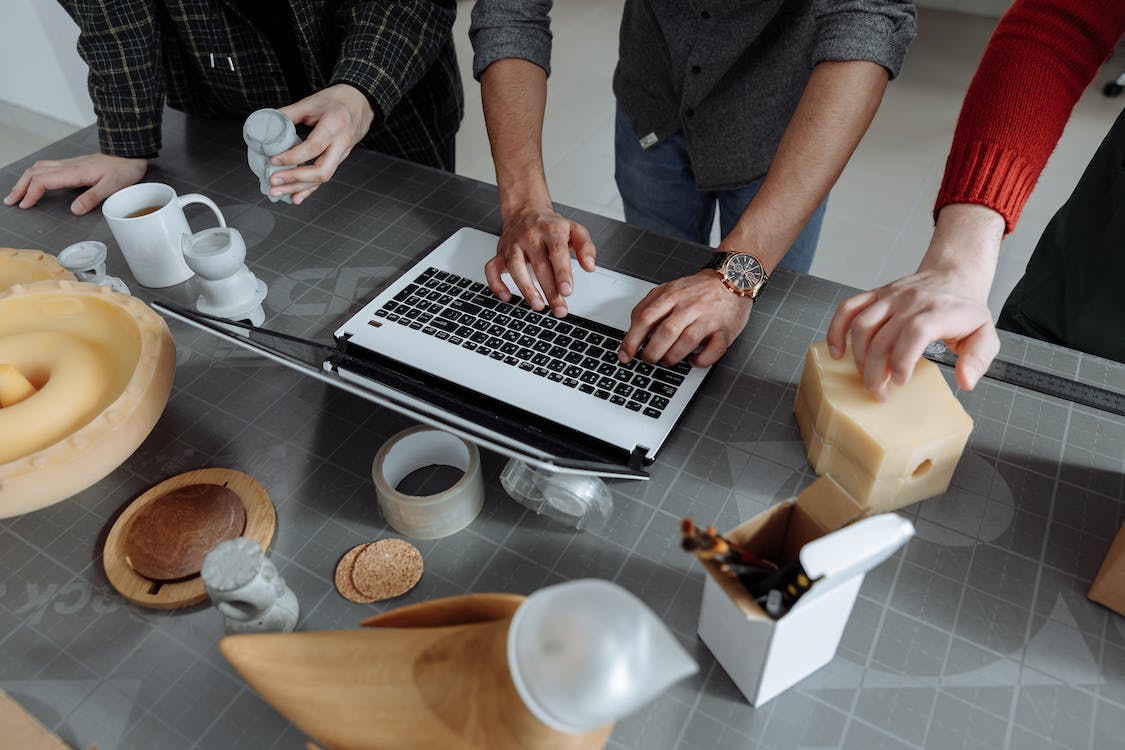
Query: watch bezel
x=721, y=263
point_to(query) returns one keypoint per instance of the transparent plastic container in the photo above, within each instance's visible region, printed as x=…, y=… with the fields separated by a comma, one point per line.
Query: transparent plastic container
x=579, y=502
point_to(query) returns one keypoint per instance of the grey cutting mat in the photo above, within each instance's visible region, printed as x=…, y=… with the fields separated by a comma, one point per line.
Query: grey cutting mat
x=976, y=635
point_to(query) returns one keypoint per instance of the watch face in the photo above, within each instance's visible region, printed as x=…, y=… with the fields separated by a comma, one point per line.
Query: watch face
x=744, y=271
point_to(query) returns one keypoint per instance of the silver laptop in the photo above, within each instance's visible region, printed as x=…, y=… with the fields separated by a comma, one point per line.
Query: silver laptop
x=437, y=345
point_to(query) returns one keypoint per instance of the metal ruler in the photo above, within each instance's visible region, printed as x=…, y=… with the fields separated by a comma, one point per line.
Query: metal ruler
x=1036, y=380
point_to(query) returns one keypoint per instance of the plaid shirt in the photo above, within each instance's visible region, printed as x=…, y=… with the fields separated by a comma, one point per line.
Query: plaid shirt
x=204, y=57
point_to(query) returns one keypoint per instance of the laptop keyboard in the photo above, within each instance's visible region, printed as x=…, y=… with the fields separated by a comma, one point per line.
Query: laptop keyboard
x=574, y=351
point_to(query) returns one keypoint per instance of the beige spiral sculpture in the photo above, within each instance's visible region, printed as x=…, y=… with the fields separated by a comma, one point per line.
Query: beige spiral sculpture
x=85, y=373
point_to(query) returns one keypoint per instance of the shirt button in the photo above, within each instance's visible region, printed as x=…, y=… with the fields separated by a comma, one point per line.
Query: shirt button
x=696, y=69
x=689, y=113
x=705, y=15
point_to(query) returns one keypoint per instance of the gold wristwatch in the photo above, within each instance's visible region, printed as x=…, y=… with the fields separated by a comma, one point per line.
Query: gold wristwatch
x=741, y=273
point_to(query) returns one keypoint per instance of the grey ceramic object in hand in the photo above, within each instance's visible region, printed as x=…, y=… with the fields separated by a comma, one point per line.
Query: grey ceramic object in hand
x=267, y=133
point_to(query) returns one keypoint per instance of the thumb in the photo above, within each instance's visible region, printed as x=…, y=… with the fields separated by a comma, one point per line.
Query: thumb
x=975, y=353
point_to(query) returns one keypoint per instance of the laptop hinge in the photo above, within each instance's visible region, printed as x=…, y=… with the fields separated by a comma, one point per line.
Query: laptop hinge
x=637, y=458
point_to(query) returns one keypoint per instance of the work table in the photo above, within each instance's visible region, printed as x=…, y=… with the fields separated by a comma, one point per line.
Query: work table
x=976, y=634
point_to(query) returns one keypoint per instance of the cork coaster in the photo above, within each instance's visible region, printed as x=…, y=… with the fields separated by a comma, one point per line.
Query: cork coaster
x=344, y=583
x=170, y=536
x=386, y=569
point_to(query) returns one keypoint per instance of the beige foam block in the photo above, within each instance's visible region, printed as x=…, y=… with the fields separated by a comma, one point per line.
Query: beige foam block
x=886, y=454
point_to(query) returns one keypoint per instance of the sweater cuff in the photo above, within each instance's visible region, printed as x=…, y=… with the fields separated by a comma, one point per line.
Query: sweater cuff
x=129, y=141
x=987, y=175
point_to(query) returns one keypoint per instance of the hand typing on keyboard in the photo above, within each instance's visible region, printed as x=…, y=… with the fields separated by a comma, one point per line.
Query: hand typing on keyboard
x=575, y=353
x=679, y=316
x=535, y=245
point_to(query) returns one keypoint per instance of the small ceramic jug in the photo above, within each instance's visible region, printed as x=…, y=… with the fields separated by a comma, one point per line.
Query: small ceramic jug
x=267, y=133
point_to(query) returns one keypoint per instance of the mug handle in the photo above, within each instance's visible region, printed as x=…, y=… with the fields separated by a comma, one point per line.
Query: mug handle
x=197, y=198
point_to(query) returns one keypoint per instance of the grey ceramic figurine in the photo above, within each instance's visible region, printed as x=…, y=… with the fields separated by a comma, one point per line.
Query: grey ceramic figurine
x=244, y=585
x=267, y=133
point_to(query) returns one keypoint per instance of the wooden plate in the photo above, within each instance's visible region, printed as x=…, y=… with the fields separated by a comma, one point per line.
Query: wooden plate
x=261, y=522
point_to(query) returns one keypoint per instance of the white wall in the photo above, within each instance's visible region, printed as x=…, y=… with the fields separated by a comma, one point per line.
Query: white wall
x=41, y=69
x=991, y=8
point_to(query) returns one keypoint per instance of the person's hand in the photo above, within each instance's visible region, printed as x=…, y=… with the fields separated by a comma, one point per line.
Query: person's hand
x=678, y=316
x=947, y=298
x=340, y=117
x=891, y=326
x=535, y=245
x=103, y=174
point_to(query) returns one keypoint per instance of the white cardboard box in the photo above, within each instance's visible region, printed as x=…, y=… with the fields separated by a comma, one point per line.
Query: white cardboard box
x=765, y=656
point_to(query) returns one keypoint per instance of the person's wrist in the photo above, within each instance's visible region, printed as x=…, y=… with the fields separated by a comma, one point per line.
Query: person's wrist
x=522, y=198
x=965, y=247
x=357, y=101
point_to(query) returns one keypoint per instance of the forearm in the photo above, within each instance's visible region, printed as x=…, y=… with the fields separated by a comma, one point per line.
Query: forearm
x=387, y=48
x=1039, y=61
x=834, y=112
x=120, y=43
x=514, y=97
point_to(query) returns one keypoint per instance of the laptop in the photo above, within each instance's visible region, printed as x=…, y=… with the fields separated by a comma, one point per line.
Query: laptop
x=438, y=346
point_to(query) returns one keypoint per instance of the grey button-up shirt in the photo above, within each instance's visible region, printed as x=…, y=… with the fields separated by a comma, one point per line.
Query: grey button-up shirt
x=725, y=73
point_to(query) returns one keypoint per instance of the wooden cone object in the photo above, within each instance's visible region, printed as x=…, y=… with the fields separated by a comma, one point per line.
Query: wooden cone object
x=429, y=675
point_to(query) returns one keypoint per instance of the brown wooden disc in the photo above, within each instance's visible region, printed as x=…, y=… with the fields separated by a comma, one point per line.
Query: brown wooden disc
x=387, y=568
x=344, y=583
x=170, y=536
x=261, y=522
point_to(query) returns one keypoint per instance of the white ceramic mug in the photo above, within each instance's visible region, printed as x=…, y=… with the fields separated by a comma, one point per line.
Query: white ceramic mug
x=147, y=220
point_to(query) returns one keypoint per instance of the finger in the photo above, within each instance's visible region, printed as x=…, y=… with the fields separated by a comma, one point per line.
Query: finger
x=689, y=339
x=714, y=347
x=19, y=189
x=545, y=274
x=911, y=337
x=293, y=189
x=648, y=313
x=559, y=256
x=521, y=275
x=877, y=371
x=864, y=326
x=307, y=150
x=663, y=335
x=49, y=176
x=492, y=274
x=976, y=353
x=842, y=321
x=93, y=197
x=299, y=198
x=36, y=188
x=584, y=249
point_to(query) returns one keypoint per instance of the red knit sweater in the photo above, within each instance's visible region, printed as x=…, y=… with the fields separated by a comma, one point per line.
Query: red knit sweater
x=1041, y=57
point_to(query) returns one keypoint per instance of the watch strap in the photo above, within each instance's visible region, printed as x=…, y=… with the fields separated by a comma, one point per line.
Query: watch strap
x=717, y=259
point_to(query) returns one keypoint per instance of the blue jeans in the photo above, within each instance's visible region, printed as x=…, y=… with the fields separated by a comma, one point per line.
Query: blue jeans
x=659, y=193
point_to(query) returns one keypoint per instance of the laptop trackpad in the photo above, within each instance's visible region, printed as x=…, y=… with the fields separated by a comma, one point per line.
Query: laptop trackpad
x=605, y=296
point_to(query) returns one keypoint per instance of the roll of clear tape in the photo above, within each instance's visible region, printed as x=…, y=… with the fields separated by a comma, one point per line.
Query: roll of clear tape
x=427, y=516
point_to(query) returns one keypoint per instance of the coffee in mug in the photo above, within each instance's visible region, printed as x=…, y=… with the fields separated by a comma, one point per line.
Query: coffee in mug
x=143, y=211
x=147, y=220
